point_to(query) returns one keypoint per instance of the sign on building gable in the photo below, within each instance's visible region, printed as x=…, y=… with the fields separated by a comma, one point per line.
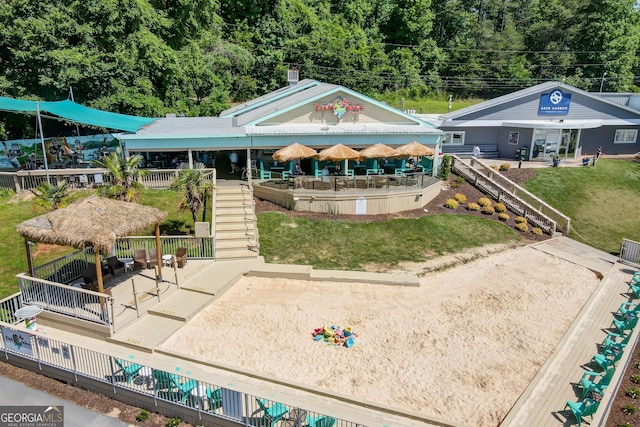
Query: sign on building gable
x=554, y=103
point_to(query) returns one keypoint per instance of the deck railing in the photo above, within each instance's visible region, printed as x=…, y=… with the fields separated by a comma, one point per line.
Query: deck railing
x=197, y=248
x=630, y=252
x=196, y=399
x=71, y=301
x=512, y=201
x=398, y=181
x=8, y=307
x=66, y=268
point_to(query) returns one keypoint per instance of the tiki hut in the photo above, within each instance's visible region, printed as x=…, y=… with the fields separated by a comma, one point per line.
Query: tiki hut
x=377, y=151
x=414, y=149
x=94, y=221
x=293, y=152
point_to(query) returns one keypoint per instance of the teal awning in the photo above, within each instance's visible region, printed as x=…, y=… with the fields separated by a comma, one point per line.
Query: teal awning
x=77, y=113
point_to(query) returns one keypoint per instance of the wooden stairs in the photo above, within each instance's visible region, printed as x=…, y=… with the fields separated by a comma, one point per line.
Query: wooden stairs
x=236, y=231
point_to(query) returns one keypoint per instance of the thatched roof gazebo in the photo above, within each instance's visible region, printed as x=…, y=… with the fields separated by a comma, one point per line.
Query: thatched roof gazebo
x=293, y=152
x=94, y=221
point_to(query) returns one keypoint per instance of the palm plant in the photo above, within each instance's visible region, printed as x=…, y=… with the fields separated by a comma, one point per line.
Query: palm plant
x=195, y=184
x=125, y=174
x=50, y=197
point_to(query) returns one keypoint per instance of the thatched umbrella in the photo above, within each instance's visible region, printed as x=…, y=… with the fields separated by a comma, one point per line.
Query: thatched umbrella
x=377, y=151
x=338, y=152
x=414, y=149
x=94, y=221
x=293, y=152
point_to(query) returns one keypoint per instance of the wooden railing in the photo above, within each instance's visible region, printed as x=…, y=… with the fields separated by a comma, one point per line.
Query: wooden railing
x=514, y=202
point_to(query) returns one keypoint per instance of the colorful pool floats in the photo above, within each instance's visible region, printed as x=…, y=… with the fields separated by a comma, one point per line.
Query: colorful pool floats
x=335, y=335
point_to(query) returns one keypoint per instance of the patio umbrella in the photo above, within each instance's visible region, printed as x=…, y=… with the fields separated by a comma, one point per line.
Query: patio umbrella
x=338, y=152
x=377, y=151
x=414, y=149
x=294, y=151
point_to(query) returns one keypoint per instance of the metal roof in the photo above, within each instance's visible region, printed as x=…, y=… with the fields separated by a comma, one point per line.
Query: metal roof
x=187, y=127
x=341, y=129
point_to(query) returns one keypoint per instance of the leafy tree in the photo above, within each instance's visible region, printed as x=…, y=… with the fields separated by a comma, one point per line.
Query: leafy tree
x=50, y=197
x=195, y=183
x=124, y=176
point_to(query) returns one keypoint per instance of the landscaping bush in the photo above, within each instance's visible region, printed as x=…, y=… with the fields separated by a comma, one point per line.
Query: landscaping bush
x=522, y=226
x=460, y=198
x=503, y=217
x=500, y=207
x=484, y=201
x=628, y=409
x=505, y=166
x=451, y=204
x=142, y=416
x=457, y=182
x=495, y=168
x=633, y=393
x=635, y=378
x=537, y=231
x=520, y=220
x=473, y=207
x=488, y=210
x=174, y=422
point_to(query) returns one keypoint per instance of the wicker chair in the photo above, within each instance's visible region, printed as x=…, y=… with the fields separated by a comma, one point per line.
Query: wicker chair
x=181, y=257
x=116, y=267
x=153, y=257
x=140, y=259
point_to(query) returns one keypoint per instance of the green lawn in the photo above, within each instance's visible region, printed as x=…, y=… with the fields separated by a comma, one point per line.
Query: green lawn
x=603, y=202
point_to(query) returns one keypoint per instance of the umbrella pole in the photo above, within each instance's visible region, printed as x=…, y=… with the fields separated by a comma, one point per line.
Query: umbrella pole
x=158, y=251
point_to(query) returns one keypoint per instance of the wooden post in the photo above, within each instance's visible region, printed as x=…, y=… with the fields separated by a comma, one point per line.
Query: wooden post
x=29, y=257
x=158, y=250
x=99, y=273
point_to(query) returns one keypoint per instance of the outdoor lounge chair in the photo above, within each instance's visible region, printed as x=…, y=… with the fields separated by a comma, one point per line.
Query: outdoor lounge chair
x=322, y=421
x=215, y=398
x=586, y=408
x=181, y=257
x=184, y=388
x=611, y=342
x=272, y=413
x=625, y=324
x=628, y=309
x=607, y=359
x=634, y=289
x=140, y=259
x=128, y=369
x=116, y=267
x=595, y=382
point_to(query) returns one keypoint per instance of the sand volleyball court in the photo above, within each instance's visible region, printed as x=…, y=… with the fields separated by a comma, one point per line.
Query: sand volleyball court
x=461, y=347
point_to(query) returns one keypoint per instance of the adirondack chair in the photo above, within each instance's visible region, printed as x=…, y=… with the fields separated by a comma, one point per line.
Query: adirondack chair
x=595, y=382
x=625, y=324
x=611, y=342
x=184, y=388
x=634, y=289
x=586, y=408
x=128, y=369
x=627, y=310
x=272, y=411
x=607, y=359
x=322, y=421
x=215, y=398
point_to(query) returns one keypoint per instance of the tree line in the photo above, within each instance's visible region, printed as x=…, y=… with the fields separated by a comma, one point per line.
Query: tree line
x=197, y=57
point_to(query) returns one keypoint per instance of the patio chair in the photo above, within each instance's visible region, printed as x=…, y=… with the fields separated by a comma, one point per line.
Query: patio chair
x=322, y=421
x=153, y=260
x=625, y=324
x=627, y=310
x=162, y=379
x=634, y=289
x=215, y=398
x=610, y=342
x=586, y=408
x=607, y=359
x=116, y=267
x=184, y=388
x=181, y=257
x=271, y=413
x=140, y=259
x=129, y=370
x=595, y=382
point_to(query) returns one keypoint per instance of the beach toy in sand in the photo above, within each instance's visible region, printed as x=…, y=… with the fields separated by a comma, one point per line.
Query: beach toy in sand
x=318, y=337
x=349, y=342
x=328, y=332
x=347, y=332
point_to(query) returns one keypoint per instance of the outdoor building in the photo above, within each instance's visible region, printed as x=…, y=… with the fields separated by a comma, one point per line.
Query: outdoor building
x=544, y=121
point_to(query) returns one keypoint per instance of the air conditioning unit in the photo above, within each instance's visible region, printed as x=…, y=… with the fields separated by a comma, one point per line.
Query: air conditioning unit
x=202, y=230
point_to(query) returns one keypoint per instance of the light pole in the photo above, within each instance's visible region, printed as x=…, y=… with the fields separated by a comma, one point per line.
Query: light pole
x=602, y=81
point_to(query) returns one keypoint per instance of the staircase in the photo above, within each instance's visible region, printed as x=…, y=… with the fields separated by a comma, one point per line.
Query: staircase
x=236, y=231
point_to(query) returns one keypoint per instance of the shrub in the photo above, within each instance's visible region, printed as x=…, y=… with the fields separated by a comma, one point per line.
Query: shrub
x=635, y=378
x=633, y=393
x=636, y=364
x=488, y=210
x=625, y=424
x=457, y=182
x=520, y=220
x=484, y=201
x=445, y=167
x=451, y=204
x=473, y=207
x=628, y=409
x=495, y=168
x=537, y=231
x=142, y=415
x=500, y=207
x=503, y=217
x=505, y=166
x=522, y=226
x=174, y=422
x=460, y=198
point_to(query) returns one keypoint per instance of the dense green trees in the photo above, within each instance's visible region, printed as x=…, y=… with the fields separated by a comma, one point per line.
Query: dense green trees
x=196, y=57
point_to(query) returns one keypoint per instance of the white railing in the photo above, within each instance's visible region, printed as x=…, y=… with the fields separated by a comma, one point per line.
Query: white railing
x=71, y=301
x=501, y=194
x=630, y=252
x=8, y=307
x=67, y=268
x=200, y=248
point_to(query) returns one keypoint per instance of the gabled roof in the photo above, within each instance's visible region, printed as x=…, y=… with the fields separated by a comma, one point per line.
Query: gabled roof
x=291, y=99
x=533, y=90
x=187, y=127
x=77, y=113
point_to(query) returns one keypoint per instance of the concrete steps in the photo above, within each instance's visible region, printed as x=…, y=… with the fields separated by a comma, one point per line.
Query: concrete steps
x=235, y=229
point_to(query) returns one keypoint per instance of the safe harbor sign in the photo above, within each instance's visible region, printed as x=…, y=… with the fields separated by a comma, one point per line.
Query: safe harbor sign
x=556, y=103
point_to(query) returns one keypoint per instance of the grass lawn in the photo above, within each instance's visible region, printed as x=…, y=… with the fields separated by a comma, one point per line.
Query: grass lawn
x=603, y=202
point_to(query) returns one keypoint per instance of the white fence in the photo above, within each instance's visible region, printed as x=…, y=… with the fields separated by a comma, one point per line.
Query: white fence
x=630, y=252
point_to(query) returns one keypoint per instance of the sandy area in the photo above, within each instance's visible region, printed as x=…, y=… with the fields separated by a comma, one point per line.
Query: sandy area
x=462, y=346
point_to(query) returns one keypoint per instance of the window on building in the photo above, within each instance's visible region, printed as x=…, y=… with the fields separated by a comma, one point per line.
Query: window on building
x=626, y=136
x=453, y=138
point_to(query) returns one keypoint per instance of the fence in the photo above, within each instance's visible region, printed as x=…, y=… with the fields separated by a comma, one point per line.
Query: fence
x=400, y=181
x=197, y=248
x=8, y=307
x=67, y=268
x=630, y=252
x=512, y=201
x=190, y=398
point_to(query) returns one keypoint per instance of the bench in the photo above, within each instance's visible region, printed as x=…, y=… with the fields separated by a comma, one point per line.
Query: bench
x=487, y=151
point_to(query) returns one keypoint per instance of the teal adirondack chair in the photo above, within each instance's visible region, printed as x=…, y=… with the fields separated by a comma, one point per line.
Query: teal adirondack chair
x=627, y=310
x=322, y=421
x=184, y=388
x=129, y=370
x=272, y=412
x=586, y=408
x=634, y=289
x=215, y=398
x=611, y=342
x=595, y=382
x=625, y=324
x=607, y=359
x=162, y=379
